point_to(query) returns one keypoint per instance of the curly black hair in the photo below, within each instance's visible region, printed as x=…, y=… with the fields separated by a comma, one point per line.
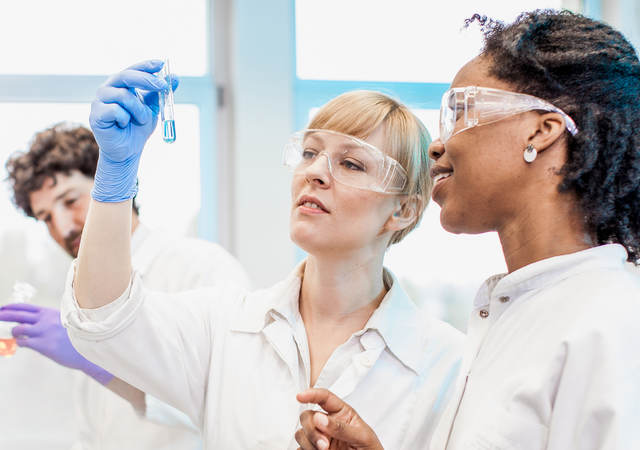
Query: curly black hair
x=59, y=149
x=591, y=72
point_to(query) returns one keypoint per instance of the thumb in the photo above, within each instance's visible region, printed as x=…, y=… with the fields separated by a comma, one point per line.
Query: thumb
x=327, y=400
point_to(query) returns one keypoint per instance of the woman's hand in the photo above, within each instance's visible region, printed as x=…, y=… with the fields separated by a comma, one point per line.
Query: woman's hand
x=123, y=116
x=340, y=429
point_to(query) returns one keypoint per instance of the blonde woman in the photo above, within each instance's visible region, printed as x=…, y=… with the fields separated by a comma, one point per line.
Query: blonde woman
x=233, y=361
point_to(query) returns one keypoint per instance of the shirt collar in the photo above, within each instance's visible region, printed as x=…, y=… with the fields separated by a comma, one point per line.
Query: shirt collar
x=397, y=320
x=550, y=271
x=258, y=306
x=401, y=325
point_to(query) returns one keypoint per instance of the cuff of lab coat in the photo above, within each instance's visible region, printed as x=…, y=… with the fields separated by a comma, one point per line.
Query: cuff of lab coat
x=100, y=323
x=163, y=414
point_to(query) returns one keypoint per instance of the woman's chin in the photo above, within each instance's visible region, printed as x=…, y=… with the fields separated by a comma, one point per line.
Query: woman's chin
x=304, y=239
x=462, y=223
x=314, y=244
x=453, y=221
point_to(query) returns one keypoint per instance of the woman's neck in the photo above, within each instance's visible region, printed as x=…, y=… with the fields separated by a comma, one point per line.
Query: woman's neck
x=337, y=298
x=341, y=290
x=550, y=229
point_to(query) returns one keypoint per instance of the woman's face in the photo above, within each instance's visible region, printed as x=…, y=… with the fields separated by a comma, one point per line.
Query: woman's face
x=488, y=180
x=327, y=216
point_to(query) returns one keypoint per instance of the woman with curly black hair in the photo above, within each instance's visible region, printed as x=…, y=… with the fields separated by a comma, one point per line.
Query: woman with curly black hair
x=539, y=142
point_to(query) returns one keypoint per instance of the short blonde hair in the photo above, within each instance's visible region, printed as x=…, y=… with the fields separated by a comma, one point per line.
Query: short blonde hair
x=359, y=113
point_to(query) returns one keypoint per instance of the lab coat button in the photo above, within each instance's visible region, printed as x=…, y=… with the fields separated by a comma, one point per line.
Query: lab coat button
x=484, y=313
x=505, y=299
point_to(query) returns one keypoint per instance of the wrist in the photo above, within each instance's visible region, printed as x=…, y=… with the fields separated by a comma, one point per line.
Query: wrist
x=97, y=373
x=115, y=181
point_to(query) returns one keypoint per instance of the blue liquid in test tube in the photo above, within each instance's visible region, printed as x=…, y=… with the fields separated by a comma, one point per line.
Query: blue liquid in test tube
x=169, y=131
x=166, y=106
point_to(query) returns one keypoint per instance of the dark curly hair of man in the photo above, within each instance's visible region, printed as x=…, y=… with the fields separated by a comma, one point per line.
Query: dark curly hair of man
x=62, y=149
x=592, y=72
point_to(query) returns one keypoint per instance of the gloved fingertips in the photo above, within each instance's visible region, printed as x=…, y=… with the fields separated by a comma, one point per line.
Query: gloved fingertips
x=160, y=84
x=122, y=118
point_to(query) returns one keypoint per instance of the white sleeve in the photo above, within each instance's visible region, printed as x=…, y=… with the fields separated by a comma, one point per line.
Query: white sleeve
x=159, y=343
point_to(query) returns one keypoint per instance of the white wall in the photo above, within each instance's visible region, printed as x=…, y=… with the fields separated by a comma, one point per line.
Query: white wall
x=625, y=16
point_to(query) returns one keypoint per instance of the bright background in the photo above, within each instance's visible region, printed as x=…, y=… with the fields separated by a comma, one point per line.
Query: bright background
x=251, y=73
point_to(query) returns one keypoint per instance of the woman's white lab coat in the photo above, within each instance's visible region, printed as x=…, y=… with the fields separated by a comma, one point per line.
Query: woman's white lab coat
x=552, y=359
x=235, y=362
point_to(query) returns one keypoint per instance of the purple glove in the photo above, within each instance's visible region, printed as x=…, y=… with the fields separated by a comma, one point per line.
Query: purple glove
x=40, y=329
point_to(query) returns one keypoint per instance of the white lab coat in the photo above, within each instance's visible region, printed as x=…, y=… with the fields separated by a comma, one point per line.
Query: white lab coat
x=234, y=362
x=105, y=420
x=552, y=359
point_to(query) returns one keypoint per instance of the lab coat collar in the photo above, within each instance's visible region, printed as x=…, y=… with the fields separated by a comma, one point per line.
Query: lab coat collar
x=400, y=324
x=397, y=320
x=259, y=306
x=550, y=271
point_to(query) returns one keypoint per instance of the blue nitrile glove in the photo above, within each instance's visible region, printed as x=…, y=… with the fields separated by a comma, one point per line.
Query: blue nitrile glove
x=123, y=116
x=40, y=329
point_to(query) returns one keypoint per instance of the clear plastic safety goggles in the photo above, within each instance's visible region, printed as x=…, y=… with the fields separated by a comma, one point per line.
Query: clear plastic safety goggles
x=351, y=161
x=472, y=106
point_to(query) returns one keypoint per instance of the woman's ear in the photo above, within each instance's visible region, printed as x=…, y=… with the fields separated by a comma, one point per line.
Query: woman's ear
x=549, y=128
x=405, y=214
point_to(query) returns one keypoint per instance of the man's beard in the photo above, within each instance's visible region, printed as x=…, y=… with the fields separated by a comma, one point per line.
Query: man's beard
x=69, y=243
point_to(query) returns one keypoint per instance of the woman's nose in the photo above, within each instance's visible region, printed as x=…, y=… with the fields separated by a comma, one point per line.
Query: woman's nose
x=436, y=149
x=318, y=171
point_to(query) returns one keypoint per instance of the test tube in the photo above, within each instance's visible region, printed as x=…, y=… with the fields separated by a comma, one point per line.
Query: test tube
x=166, y=106
x=22, y=292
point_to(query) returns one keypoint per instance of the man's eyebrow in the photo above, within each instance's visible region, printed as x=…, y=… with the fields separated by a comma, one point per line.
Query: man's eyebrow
x=63, y=194
x=37, y=214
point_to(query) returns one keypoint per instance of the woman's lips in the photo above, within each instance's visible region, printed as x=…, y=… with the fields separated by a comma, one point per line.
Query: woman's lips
x=440, y=181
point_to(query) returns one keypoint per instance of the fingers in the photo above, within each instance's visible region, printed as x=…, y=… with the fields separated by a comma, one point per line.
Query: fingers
x=326, y=399
x=303, y=441
x=354, y=432
x=313, y=437
x=128, y=101
x=104, y=115
x=136, y=79
x=150, y=65
x=358, y=434
x=8, y=315
x=150, y=98
x=23, y=330
x=21, y=307
x=34, y=343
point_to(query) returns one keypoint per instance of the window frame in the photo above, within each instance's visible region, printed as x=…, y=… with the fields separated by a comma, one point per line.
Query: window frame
x=194, y=90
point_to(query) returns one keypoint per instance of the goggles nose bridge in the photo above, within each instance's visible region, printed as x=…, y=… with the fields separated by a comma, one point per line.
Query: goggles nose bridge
x=328, y=166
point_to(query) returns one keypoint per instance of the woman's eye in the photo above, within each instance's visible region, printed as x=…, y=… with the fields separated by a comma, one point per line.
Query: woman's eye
x=70, y=201
x=353, y=165
x=308, y=153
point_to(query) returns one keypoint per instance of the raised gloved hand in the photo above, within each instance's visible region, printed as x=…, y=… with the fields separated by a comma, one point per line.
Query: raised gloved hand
x=40, y=329
x=123, y=116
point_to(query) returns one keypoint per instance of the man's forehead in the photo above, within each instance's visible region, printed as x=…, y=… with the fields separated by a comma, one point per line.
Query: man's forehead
x=54, y=186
